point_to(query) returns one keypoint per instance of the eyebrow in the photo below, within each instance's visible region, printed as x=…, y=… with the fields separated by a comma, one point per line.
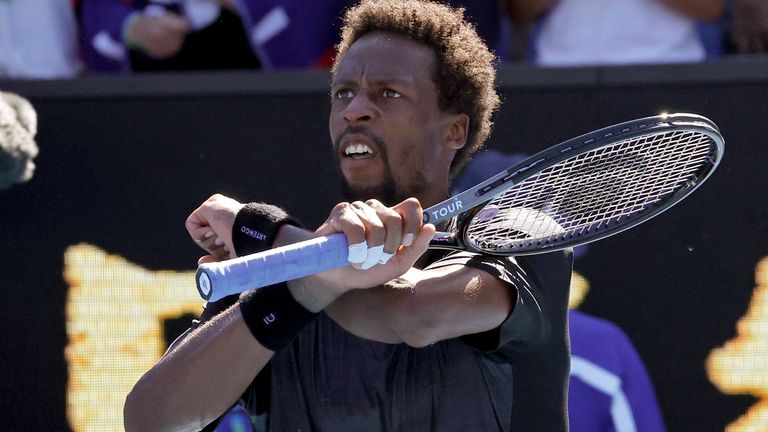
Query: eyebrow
x=379, y=82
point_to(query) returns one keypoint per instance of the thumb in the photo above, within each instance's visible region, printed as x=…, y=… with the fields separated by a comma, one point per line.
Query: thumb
x=207, y=259
x=420, y=245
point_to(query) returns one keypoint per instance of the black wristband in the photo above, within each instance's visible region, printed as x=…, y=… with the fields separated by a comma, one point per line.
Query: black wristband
x=256, y=226
x=273, y=316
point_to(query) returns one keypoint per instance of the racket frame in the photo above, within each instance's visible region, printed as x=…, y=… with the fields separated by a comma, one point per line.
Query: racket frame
x=454, y=209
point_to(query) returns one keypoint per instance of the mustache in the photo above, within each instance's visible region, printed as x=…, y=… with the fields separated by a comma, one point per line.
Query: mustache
x=359, y=130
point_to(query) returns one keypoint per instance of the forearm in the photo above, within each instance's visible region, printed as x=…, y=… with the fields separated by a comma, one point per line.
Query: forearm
x=703, y=10
x=198, y=380
x=424, y=307
x=207, y=372
x=310, y=291
x=368, y=314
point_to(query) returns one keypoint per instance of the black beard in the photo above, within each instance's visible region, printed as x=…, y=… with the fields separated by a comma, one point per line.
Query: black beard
x=386, y=191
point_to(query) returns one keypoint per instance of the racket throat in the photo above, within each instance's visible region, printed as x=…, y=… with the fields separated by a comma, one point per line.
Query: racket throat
x=446, y=240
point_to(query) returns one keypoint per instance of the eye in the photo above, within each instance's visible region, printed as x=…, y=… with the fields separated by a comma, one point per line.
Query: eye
x=343, y=94
x=389, y=93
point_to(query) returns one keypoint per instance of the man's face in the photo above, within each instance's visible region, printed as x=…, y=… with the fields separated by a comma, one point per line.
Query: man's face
x=386, y=127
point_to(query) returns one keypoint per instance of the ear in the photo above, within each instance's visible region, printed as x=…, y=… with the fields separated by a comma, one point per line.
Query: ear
x=457, y=130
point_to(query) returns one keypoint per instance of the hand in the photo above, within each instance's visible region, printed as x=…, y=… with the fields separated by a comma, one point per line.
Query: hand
x=750, y=26
x=210, y=226
x=159, y=36
x=384, y=241
x=229, y=4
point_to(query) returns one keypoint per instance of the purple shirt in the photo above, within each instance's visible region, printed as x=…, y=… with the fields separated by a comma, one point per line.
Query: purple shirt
x=609, y=388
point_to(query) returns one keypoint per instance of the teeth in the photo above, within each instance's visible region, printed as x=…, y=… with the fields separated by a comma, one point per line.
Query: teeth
x=357, y=149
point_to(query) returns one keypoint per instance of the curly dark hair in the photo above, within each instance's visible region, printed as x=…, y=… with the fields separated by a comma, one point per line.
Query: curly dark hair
x=465, y=73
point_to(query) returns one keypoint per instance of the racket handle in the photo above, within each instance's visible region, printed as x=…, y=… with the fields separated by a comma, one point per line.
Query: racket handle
x=220, y=279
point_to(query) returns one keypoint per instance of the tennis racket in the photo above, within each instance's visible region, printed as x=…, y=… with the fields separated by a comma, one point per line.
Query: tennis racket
x=576, y=192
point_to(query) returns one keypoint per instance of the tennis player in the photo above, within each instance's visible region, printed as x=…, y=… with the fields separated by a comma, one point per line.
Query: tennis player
x=403, y=339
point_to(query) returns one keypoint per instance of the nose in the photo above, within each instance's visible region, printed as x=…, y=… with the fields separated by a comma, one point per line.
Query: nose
x=360, y=109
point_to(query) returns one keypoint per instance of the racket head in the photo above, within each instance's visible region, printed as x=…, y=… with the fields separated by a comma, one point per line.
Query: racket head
x=592, y=186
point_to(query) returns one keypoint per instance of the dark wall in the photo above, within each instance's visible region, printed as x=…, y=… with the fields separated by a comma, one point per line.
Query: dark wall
x=123, y=161
x=677, y=284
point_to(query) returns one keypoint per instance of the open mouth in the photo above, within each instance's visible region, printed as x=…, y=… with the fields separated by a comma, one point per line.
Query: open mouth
x=358, y=151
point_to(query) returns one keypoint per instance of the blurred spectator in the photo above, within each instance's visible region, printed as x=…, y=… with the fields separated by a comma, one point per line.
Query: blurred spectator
x=150, y=35
x=611, y=32
x=139, y=35
x=712, y=37
x=38, y=39
x=749, y=29
x=292, y=34
x=609, y=389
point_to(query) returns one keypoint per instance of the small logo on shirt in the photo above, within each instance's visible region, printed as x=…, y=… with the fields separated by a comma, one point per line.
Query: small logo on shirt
x=269, y=319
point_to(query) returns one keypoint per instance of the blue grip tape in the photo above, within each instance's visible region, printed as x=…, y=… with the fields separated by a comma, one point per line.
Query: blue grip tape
x=218, y=280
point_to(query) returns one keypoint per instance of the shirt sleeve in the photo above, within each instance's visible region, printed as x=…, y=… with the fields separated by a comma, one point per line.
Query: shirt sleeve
x=102, y=23
x=528, y=326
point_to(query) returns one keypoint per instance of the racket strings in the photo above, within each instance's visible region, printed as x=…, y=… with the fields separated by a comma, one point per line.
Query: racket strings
x=651, y=186
x=593, y=191
x=647, y=186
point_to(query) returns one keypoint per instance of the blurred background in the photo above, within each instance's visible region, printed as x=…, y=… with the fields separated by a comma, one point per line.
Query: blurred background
x=119, y=117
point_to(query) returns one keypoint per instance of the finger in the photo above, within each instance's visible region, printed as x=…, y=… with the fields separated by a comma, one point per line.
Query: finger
x=219, y=248
x=344, y=219
x=207, y=259
x=375, y=232
x=420, y=244
x=193, y=222
x=426, y=233
x=215, y=256
x=411, y=212
x=374, y=256
x=214, y=245
x=358, y=253
x=385, y=257
x=221, y=253
x=203, y=237
x=393, y=224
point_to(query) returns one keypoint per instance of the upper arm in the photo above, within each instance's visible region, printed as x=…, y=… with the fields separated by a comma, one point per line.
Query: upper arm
x=501, y=305
x=450, y=302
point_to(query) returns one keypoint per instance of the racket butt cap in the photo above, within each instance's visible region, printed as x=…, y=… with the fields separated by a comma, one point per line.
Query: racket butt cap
x=204, y=285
